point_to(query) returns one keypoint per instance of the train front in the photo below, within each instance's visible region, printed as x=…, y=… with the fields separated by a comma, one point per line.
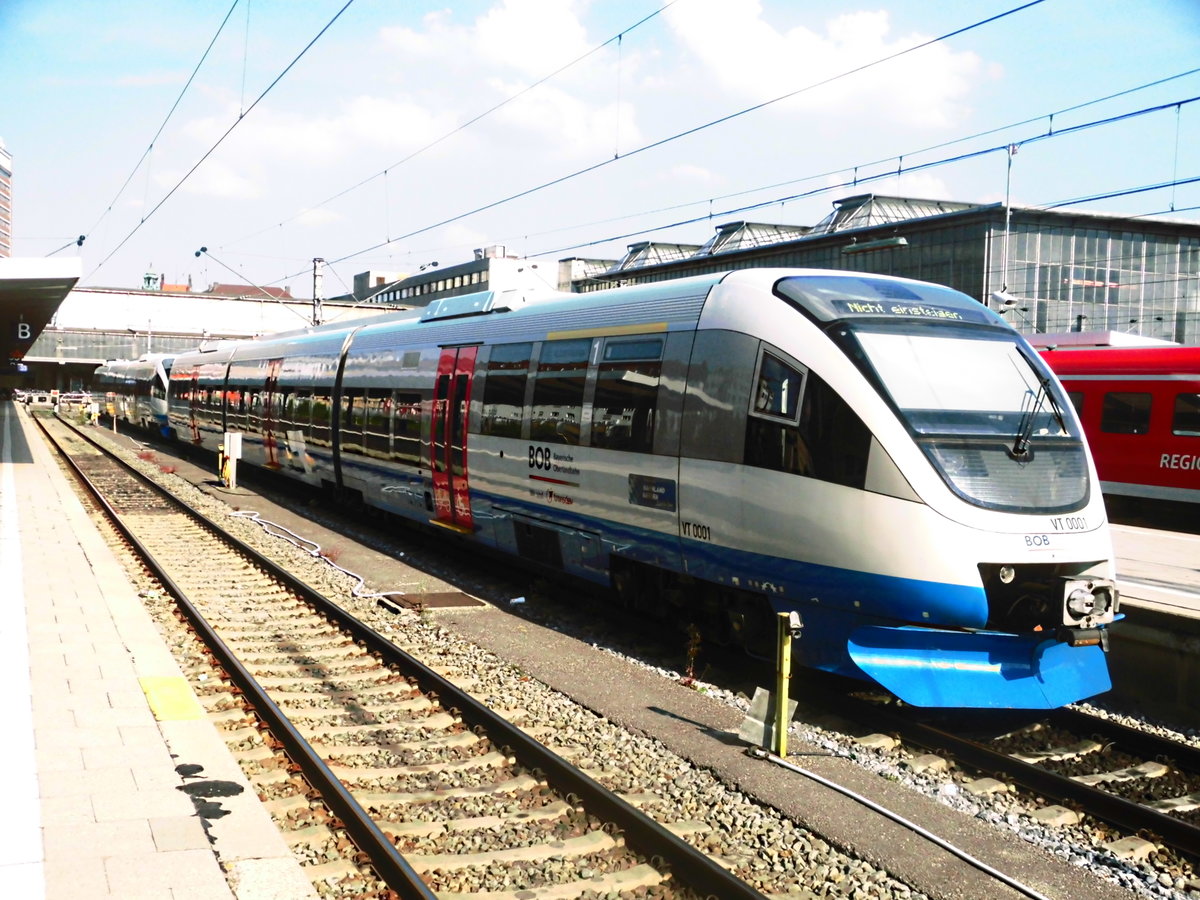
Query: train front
x=1015, y=532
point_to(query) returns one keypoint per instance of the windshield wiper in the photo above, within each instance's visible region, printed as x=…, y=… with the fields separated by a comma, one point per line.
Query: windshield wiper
x=1020, y=447
x=1025, y=430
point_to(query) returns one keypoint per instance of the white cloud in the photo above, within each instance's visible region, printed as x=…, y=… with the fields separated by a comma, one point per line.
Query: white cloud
x=315, y=218
x=689, y=173
x=565, y=125
x=214, y=179
x=532, y=36
x=755, y=61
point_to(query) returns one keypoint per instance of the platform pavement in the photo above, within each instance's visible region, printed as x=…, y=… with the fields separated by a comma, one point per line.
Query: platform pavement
x=1158, y=569
x=100, y=723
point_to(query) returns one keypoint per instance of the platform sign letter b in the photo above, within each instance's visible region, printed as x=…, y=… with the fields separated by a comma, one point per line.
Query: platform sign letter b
x=24, y=331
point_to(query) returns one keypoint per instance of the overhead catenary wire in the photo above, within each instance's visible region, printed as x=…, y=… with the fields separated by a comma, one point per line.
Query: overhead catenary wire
x=241, y=117
x=465, y=125
x=860, y=179
x=888, y=160
x=162, y=127
x=687, y=132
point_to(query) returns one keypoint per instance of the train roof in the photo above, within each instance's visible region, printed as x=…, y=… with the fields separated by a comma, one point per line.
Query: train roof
x=1117, y=361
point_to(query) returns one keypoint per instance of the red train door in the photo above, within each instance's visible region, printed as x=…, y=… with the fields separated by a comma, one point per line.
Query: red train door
x=270, y=412
x=448, y=437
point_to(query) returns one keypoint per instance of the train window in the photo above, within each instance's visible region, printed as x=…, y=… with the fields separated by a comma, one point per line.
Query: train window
x=235, y=408
x=322, y=404
x=504, y=390
x=1125, y=413
x=301, y=411
x=838, y=441
x=351, y=424
x=625, y=403
x=777, y=388
x=253, y=412
x=1076, y=398
x=557, y=409
x=1186, y=418
x=829, y=442
x=377, y=426
x=772, y=439
x=406, y=447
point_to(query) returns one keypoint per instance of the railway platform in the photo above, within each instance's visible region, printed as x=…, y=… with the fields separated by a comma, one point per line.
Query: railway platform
x=116, y=784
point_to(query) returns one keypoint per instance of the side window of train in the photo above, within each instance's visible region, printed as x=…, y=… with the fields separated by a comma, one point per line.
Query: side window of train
x=1125, y=413
x=777, y=388
x=377, y=426
x=406, y=447
x=1076, y=398
x=838, y=440
x=772, y=433
x=354, y=405
x=625, y=404
x=557, y=408
x=504, y=390
x=799, y=424
x=321, y=409
x=1186, y=418
x=301, y=410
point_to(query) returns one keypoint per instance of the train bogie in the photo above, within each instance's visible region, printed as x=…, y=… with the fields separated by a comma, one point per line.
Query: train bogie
x=886, y=457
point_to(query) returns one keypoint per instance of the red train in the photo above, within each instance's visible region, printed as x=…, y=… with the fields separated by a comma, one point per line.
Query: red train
x=1140, y=410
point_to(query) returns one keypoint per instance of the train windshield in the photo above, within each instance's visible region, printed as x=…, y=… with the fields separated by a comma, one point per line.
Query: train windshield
x=963, y=385
x=991, y=421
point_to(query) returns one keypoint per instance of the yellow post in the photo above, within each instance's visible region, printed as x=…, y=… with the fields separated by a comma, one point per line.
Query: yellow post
x=783, y=675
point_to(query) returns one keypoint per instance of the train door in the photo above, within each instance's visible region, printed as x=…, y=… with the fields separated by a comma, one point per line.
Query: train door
x=270, y=412
x=193, y=405
x=448, y=437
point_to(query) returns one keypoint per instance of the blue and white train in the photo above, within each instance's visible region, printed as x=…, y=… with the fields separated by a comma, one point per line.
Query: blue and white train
x=135, y=391
x=885, y=456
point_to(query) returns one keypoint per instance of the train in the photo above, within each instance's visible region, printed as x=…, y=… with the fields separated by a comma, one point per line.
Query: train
x=135, y=391
x=886, y=457
x=1140, y=410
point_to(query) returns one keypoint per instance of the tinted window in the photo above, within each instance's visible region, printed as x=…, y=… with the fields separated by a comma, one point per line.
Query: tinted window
x=624, y=406
x=1186, y=417
x=1125, y=413
x=377, y=426
x=504, y=390
x=830, y=442
x=557, y=409
x=777, y=388
x=406, y=446
x=1076, y=398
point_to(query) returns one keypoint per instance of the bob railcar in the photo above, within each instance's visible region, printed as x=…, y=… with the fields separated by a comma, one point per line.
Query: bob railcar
x=1140, y=409
x=887, y=457
x=135, y=390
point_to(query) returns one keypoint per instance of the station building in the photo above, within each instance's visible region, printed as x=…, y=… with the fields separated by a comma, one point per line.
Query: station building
x=1048, y=271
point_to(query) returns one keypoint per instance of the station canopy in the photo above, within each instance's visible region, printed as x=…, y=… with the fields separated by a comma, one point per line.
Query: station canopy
x=31, y=290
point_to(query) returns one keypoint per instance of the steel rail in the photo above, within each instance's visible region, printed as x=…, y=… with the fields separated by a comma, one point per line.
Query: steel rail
x=1118, y=811
x=1137, y=742
x=643, y=834
x=387, y=862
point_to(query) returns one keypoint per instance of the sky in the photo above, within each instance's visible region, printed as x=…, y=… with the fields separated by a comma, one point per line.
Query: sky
x=384, y=136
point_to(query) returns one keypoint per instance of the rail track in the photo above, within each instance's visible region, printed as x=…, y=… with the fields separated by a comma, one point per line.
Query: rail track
x=1140, y=782
x=424, y=791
